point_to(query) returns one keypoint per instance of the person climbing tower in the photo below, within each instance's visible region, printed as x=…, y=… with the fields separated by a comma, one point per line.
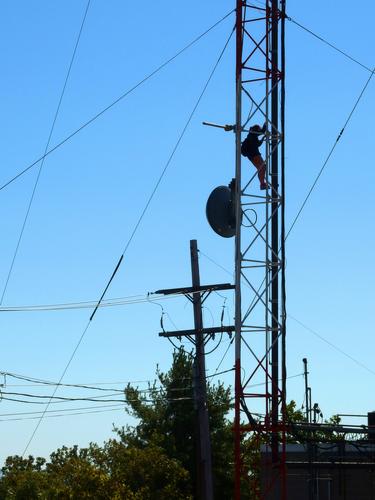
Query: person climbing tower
x=250, y=149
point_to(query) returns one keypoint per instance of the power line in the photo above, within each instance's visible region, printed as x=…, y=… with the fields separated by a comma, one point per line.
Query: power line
x=150, y=198
x=348, y=119
x=223, y=357
x=348, y=56
x=359, y=363
x=143, y=213
x=40, y=382
x=117, y=392
x=216, y=346
x=94, y=386
x=116, y=101
x=321, y=170
x=64, y=412
x=113, y=392
x=289, y=377
x=56, y=399
x=133, y=232
x=48, y=382
x=319, y=173
x=120, y=301
x=60, y=415
x=331, y=344
x=88, y=304
x=101, y=399
x=216, y=263
x=216, y=374
x=59, y=410
x=330, y=153
x=15, y=253
x=62, y=399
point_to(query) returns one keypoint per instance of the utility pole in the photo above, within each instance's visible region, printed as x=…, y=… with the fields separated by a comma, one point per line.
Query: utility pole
x=311, y=446
x=305, y=374
x=205, y=465
x=197, y=294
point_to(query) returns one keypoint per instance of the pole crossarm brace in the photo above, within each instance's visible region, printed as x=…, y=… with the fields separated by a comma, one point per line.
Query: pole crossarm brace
x=201, y=331
x=194, y=289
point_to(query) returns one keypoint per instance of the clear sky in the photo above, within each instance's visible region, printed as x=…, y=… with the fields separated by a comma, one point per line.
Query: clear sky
x=93, y=189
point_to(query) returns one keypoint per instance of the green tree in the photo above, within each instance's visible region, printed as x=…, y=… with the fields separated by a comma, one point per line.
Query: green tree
x=166, y=418
x=111, y=472
x=22, y=478
x=148, y=473
x=74, y=473
x=294, y=415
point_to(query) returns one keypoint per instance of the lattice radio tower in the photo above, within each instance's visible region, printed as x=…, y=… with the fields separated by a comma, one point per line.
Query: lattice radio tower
x=260, y=368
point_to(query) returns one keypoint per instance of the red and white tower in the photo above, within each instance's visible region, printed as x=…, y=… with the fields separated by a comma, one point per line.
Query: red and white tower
x=260, y=367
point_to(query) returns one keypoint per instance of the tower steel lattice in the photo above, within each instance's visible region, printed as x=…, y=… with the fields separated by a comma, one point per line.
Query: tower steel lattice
x=260, y=367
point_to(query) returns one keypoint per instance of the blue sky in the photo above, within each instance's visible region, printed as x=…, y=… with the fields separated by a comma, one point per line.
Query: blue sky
x=93, y=189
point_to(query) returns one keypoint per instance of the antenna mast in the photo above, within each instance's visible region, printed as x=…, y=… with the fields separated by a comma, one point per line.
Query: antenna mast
x=259, y=250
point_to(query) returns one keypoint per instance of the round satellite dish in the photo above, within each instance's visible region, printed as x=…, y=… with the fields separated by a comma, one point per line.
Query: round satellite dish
x=220, y=212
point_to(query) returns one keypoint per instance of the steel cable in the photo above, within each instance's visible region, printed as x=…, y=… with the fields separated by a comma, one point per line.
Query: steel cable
x=133, y=233
x=113, y=103
x=15, y=253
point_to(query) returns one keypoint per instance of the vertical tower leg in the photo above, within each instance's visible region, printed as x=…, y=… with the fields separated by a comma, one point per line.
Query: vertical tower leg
x=238, y=312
